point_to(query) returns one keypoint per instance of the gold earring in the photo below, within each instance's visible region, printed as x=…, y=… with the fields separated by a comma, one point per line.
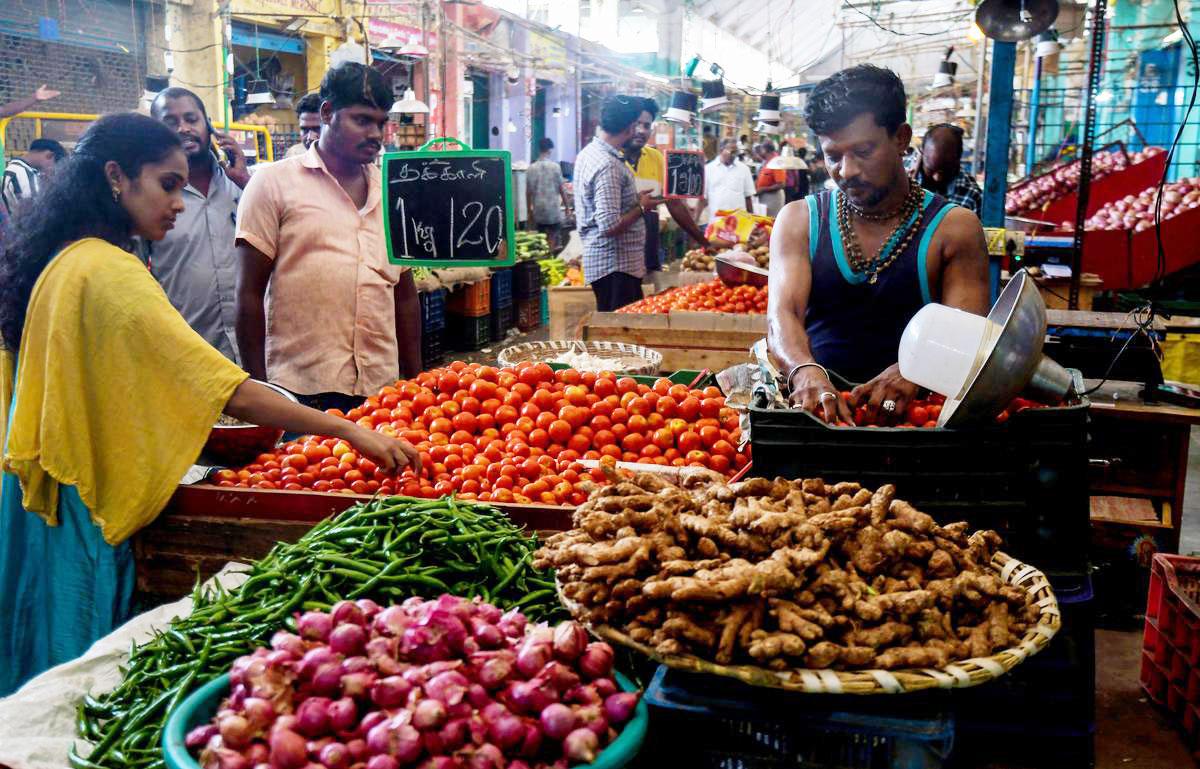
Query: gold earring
x=116, y=193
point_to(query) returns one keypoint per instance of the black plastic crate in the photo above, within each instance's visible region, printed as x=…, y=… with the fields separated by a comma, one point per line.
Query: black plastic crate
x=1026, y=478
x=1054, y=690
x=502, y=288
x=433, y=310
x=432, y=352
x=526, y=280
x=529, y=312
x=714, y=722
x=467, y=333
x=503, y=318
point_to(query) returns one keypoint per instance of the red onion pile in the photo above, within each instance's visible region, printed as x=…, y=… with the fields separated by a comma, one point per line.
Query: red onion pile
x=1136, y=212
x=443, y=684
x=1064, y=179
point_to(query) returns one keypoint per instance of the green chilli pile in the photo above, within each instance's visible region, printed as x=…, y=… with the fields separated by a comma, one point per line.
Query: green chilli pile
x=387, y=550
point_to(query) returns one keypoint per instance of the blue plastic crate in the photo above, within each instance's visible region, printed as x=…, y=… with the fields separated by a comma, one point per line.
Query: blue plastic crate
x=502, y=288
x=708, y=721
x=432, y=348
x=433, y=310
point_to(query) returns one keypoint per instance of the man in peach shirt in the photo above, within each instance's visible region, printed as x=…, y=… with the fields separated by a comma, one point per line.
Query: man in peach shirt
x=320, y=310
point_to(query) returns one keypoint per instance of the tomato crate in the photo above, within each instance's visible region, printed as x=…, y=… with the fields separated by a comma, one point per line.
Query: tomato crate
x=503, y=318
x=472, y=300
x=1170, y=671
x=502, y=287
x=529, y=313
x=1026, y=478
x=433, y=310
x=718, y=723
x=468, y=333
x=527, y=280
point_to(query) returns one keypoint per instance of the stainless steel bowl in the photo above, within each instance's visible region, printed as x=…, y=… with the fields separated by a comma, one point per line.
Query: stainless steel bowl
x=736, y=273
x=232, y=445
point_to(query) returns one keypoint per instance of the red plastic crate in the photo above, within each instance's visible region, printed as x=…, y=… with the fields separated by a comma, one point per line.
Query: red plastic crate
x=473, y=300
x=1170, y=675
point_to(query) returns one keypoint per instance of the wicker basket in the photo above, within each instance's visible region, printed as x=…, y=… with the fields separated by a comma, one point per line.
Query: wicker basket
x=961, y=674
x=633, y=358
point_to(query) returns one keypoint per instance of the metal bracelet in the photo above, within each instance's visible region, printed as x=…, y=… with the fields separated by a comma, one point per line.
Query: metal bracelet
x=792, y=374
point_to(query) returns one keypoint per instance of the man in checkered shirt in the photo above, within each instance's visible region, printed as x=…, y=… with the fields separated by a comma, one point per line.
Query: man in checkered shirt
x=940, y=168
x=609, y=210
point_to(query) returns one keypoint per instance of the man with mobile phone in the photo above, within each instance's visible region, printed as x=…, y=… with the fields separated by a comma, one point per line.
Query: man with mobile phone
x=196, y=263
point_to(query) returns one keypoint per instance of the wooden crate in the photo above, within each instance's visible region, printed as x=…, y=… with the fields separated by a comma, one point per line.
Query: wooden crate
x=687, y=340
x=204, y=527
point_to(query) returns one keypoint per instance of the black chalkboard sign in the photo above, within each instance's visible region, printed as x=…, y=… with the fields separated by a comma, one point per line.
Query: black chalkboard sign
x=450, y=207
x=685, y=174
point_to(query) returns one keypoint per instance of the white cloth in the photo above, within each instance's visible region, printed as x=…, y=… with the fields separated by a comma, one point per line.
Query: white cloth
x=37, y=722
x=727, y=186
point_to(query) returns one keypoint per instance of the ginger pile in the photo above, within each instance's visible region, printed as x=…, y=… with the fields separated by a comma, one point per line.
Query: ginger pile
x=785, y=574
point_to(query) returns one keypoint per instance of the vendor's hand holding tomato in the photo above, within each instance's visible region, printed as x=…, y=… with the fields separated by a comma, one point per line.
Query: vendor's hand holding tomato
x=807, y=386
x=391, y=454
x=889, y=385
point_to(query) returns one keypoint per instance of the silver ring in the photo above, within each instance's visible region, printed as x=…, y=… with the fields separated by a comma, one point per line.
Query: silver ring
x=827, y=395
x=889, y=405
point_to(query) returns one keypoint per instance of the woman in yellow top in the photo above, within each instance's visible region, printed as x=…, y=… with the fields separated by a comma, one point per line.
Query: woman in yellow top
x=106, y=394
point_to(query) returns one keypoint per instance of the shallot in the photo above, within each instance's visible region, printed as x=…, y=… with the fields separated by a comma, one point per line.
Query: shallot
x=444, y=684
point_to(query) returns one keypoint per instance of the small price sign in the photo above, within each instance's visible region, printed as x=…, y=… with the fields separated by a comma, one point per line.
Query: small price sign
x=685, y=174
x=449, y=207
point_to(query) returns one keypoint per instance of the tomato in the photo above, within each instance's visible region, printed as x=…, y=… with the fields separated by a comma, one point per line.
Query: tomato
x=575, y=416
x=709, y=435
x=710, y=408
x=663, y=438
x=506, y=415
x=689, y=408
x=604, y=387
x=918, y=415
x=666, y=406
x=627, y=385
x=579, y=443
x=689, y=441
x=316, y=452
x=637, y=424
x=481, y=389
x=725, y=448
x=559, y=431
x=539, y=438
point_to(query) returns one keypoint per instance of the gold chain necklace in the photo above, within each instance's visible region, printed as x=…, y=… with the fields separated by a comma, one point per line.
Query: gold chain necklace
x=883, y=257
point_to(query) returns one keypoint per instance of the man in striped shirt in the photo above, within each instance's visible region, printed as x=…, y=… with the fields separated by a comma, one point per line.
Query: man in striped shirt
x=22, y=176
x=609, y=210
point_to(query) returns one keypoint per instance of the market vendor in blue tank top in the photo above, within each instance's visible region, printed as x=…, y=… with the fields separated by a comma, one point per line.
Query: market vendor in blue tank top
x=851, y=266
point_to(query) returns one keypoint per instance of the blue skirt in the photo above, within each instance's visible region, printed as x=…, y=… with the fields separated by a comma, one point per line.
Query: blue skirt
x=61, y=587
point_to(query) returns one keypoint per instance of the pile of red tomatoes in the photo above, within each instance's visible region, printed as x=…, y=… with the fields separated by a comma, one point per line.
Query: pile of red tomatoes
x=714, y=296
x=511, y=435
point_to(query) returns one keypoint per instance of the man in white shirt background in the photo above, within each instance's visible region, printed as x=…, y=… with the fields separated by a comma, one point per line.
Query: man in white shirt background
x=24, y=176
x=728, y=183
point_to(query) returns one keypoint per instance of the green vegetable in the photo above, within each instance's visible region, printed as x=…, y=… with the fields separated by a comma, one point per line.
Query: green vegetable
x=386, y=549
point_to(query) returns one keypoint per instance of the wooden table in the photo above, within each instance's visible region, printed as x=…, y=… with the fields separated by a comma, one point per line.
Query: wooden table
x=1139, y=462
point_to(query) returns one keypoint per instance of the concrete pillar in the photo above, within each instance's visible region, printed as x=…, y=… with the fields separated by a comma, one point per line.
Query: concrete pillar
x=195, y=40
x=316, y=61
